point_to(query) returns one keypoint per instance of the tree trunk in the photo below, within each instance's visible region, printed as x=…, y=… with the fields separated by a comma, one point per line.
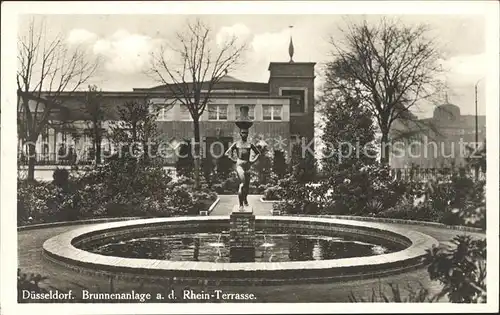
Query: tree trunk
x=31, y=160
x=384, y=148
x=98, y=148
x=196, y=127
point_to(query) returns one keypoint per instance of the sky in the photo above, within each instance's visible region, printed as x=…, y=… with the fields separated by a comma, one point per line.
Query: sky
x=124, y=43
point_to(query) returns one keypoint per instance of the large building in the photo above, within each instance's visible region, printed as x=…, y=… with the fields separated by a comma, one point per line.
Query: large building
x=282, y=110
x=440, y=141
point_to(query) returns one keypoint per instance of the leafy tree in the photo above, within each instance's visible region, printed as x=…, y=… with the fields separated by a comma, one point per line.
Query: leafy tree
x=302, y=164
x=388, y=65
x=207, y=166
x=224, y=167
x=185, y=162
x=60, y=177
x=279, y=166
x=476, y=159
x=136, y=133
x=264, y=164
x=348, y=134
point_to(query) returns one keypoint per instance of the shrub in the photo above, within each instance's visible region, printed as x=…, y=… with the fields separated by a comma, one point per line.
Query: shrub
x=298, y=197
x=218, y=188
x=260, y=189
x=44, y=202
x=273, y=193
x=231, y=185
x=403, y=210
x=420, y=295
x=461, y=269
x=185, y=163
x=305, y=207
x=60, y=177
x=201, y=200
x=473, y=210
x=263, y=166
x=183, y=199
x=121, y=187
x=207, y=167
x=182, y=181
x=225, y=167
x=279, y=165
x=31, y=202
x=286, y=207
x=29, y=283
x=360, y=190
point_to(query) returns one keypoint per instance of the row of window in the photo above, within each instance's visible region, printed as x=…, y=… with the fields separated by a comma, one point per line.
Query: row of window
x=219, y=112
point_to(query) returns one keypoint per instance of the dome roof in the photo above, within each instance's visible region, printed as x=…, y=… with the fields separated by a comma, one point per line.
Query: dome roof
x=228, y=78
x=447, y=112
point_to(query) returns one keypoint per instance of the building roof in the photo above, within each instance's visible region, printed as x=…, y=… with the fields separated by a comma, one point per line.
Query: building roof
x=228, y=78
x=226, y=84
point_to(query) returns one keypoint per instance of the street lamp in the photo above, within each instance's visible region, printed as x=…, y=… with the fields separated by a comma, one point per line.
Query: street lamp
x=476, y=171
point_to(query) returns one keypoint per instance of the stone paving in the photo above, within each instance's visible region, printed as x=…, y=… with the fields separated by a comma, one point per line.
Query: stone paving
x=227, y=202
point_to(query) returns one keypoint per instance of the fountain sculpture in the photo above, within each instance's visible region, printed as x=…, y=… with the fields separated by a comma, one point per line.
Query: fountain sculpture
x=242, y=219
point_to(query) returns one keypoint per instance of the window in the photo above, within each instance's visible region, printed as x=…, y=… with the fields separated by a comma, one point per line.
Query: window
x=45, y=135
x=164, y=113
x=45, y=149
x=184, y=113
x=217, y=112
x=272, y=112
x=251, y=111
x=297, y=102
x=64, y=137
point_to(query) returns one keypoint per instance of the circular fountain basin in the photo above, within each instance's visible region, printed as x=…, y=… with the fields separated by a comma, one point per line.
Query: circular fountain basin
x=410, y=247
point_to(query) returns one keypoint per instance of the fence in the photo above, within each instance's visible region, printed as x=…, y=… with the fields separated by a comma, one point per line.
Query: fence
x=55, y=159
x=71, y=159
x=426, y=174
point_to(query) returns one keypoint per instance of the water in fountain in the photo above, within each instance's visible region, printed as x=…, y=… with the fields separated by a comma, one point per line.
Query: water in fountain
x=218, y=245
x=214, y=246
x=266, y=245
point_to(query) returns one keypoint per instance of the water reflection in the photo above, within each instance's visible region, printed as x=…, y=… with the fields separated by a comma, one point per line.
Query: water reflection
x=214, y=247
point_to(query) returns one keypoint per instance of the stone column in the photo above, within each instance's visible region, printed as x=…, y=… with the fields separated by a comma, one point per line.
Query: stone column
x=242, y=235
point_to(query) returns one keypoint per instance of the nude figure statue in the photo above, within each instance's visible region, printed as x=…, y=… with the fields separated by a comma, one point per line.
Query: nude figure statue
x=243, y=160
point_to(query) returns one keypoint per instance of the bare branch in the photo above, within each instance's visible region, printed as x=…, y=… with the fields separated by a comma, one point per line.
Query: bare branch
x=192, y=57
x=48, y=73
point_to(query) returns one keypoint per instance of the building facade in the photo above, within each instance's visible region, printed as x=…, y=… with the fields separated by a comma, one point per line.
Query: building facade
x=282, y=110
x=442, y=141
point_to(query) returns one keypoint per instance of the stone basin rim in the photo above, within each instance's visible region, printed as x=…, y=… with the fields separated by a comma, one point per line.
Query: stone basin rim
x=61, y=247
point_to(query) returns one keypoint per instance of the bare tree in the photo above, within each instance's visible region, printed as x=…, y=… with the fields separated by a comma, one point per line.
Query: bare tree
x=191, y=68
x=47, y=69
x=390, y=66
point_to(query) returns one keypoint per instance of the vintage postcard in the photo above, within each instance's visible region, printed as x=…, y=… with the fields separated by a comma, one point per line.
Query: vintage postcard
x=195, y=157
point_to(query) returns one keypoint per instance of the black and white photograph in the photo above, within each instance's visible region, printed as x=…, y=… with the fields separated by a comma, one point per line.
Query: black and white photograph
x=160, y=155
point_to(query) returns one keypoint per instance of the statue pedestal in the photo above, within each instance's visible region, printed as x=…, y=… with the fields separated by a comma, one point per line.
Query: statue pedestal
x=242, y=235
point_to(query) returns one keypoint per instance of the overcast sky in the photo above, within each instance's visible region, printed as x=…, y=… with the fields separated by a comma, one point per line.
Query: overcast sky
x=124, y=44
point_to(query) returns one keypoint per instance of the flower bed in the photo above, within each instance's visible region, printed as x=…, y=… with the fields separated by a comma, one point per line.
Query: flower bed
x=370, y=193
x=99, y=194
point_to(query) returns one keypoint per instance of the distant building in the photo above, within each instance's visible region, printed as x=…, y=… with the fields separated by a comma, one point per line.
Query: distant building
x=282, y=110
x=437, y=142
